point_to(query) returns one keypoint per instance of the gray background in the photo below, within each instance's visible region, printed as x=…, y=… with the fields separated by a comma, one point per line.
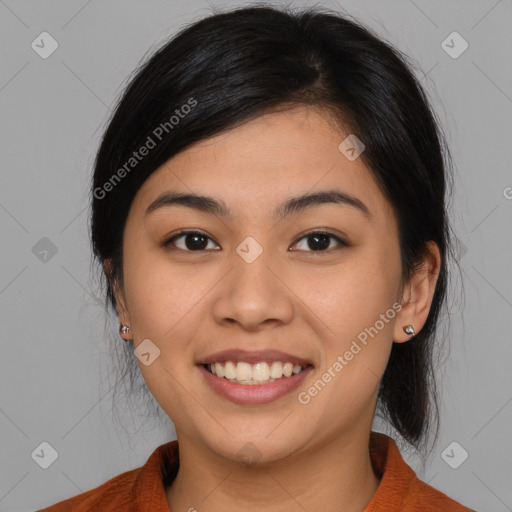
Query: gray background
x=55, y=376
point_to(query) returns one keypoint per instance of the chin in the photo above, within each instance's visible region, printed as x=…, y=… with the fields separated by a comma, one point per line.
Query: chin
x=252, y=450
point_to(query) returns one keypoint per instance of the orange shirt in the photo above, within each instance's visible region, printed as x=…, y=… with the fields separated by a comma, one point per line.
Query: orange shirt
x=143, y=489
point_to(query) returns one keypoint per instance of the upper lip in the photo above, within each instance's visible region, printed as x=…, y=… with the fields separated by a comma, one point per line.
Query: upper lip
x=253, y=357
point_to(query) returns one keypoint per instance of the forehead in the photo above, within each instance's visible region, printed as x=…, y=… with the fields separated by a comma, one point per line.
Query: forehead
x=262, y=162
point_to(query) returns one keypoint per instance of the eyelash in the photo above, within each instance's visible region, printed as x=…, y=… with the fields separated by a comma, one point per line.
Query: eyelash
x=170, y=241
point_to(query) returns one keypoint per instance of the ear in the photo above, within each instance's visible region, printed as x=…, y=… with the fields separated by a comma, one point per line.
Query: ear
x=122, y=310
x=418, y=294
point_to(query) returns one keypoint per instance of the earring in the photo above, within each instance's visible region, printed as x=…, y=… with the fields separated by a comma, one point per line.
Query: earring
x=409, y=330
x=124, y=329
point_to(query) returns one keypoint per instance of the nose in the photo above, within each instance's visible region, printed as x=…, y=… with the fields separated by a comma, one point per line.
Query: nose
x=253, y=296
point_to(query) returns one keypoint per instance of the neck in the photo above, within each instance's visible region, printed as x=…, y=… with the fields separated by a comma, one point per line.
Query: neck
x=336, y=475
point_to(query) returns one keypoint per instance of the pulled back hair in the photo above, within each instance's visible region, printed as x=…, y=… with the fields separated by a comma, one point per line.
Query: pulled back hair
x=235, y=65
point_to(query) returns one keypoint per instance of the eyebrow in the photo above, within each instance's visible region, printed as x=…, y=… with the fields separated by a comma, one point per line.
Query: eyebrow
x=291, y=206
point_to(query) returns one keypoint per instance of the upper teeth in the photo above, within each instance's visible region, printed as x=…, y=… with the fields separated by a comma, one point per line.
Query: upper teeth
x=254, y=373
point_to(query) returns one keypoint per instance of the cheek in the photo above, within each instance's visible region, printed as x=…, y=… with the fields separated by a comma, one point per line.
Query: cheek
x=353, y=296
x=356, y=303
x=356, y=356
x=161, y=296
x=163, y=304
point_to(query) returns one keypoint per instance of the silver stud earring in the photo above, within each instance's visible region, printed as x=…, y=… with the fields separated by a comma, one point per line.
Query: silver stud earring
x=409, y=330
x=124, y=329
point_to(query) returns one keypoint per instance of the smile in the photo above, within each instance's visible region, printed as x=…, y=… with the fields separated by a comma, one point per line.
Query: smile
x=245, y=373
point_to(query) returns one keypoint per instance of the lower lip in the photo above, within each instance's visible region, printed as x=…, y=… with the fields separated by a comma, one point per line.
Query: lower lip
x=253, y=394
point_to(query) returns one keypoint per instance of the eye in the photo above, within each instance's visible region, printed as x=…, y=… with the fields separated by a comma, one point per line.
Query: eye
x=194, y=241
x=320, y=241
x=317, y=241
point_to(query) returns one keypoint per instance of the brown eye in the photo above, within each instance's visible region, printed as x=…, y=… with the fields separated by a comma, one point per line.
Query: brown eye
x=193, y=241
x=319, y=241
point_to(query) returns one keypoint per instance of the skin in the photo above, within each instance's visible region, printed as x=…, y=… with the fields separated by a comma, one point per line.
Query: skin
x=309, y=303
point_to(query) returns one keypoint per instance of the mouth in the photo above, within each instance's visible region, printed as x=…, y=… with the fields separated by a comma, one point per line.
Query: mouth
x=255, y=377
x=248, y=374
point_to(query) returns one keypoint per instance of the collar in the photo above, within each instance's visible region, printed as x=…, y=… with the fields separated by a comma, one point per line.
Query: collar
x=399, y=486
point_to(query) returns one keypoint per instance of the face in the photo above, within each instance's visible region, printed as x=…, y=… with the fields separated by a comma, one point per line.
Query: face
x=315, y=285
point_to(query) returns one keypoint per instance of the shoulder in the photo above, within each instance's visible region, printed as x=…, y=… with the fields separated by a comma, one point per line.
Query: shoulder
x=111, y=495
x=400, y=488
x=429, y=499
x=137, y=490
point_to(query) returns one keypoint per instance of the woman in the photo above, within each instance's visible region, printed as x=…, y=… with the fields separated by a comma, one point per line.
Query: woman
x=269, y=211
